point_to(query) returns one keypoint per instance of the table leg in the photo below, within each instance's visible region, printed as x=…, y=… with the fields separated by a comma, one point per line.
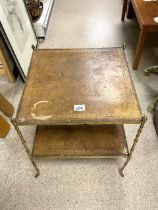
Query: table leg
x=124, y=9
x=144, y=119
x=13, y=121
x=139, y=49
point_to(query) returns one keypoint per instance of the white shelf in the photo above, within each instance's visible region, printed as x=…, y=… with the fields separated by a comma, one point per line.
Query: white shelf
x=42, y=24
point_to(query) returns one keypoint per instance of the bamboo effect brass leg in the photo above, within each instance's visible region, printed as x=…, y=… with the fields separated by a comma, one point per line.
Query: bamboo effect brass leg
x=13, y=121
x=144, y=119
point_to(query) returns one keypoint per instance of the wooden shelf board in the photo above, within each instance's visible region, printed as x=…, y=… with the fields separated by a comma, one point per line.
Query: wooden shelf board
x=80, y=141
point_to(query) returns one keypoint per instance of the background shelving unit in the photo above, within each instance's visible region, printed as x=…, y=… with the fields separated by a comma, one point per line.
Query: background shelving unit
x=41, y=25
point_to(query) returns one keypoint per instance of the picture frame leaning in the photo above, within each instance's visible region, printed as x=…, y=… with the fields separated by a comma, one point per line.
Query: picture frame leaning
x=19, y=31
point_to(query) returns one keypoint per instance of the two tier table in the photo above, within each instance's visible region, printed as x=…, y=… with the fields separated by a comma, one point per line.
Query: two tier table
x=79, y=99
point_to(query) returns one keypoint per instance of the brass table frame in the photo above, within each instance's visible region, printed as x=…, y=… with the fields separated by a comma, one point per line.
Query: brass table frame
x=140, y=120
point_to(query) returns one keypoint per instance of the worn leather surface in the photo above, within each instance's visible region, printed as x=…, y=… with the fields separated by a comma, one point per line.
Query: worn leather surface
x=80, y=141
x=96, y=78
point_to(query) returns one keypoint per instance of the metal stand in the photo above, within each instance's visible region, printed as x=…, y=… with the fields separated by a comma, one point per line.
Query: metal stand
x=13, y=121
x=147, y=71
x=152, y=107
x=144, y=119
x=152, y=69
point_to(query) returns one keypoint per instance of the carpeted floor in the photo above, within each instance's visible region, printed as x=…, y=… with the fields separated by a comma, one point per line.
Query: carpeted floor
x=85, y=184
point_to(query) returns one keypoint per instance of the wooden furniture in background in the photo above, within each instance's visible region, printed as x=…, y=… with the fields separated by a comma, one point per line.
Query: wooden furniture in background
x=98, y=82
x=6, y=67
x=4, y=127
x=145, y=12
x=7, y=108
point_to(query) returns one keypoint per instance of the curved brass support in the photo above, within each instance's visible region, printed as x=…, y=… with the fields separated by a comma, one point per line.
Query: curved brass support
x=152, y=69
x=144, y=119
x=13, y=121
x=152, y=107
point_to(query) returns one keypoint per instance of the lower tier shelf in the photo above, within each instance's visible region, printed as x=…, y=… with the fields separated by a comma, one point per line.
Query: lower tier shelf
x=86, y=141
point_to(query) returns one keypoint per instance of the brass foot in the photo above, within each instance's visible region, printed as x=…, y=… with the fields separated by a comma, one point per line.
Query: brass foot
x=121, y=173
x=38, y=173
